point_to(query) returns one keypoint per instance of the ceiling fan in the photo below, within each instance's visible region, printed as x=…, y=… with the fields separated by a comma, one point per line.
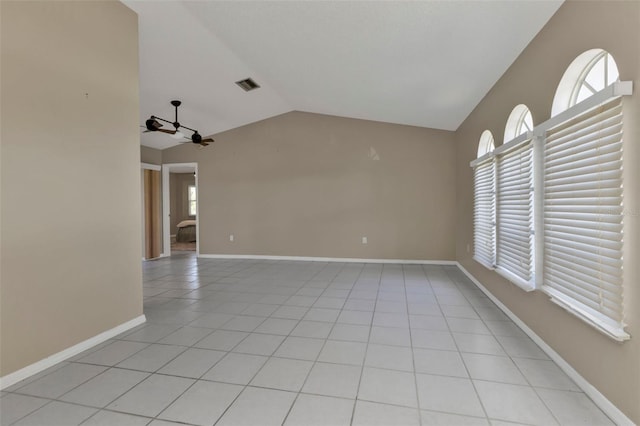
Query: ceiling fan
x=153, y=124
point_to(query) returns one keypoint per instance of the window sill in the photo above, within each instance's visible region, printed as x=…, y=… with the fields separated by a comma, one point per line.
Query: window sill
x=613, y=331
x=522, y=284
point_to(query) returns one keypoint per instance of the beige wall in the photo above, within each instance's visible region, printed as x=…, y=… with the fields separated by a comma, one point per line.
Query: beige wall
x=179, y=198
x=70, y=240
x=304, y=184
x=150, y=155
x=613, y=368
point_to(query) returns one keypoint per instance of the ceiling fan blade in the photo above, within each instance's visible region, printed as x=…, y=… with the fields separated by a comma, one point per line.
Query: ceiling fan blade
x=208, y=140
x=203, y=143
x=171, y=132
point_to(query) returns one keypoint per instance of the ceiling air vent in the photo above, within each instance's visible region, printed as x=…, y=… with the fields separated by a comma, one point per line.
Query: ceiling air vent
x=247, y=84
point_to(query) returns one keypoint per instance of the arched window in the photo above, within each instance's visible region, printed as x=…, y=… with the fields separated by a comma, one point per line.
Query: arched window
x=486, y=143
x=589, y=73
x=520, y=121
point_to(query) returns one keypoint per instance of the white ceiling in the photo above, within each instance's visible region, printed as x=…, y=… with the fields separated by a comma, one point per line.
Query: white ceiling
x=422, y=63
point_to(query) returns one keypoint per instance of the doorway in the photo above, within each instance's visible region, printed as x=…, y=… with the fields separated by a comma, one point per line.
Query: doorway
x=151, y=197
x=180, y=220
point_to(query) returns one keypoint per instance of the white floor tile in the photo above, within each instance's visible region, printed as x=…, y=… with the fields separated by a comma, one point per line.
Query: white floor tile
x=375, y=414
x=459, y=311
x=260, y=309
x=322, y=315
x=202, y=404
x=300, y=348
x=478, y=343
x=14, y=407
x=313, y=410
x=257, y=406
x=312, y=329
x=493, y=368
x=430, y=339
x=386, y=386
x=192, y=363
x=521, y=347
x=443, y=419
x=186, y=336
x=443, y=363
x=467, y=325
x=573, y=408
x=340, y=352
x=390, y=357
x=242, y=323
x=355, y=317
x=113, y=353
x=513, y=403
x=105, y=387
x=355, y=304
x=110, y=418
x=350, y=333
x=390, y=336
x=290, y=312
x=427, y=322
x=151, y=396
x=279, y=326
x=151, y=333
x=61, y=381
x=333, y=380
x=57, y=413
x=211, y=320
x=236, y=368
x=282, y=374
x=385, y=319
x=222, y=340
x=545, y=374
x=448, y=394
x=259, y=344
x=152, y=357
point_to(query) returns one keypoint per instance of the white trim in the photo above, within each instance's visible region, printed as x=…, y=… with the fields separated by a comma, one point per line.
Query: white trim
x=596, y=396
x=148, y=166
x=515, y=280
x=486, y=157
x=513, y=143
x=619, y=88
x=327, y=259
x=50, y=361
x=595, y=319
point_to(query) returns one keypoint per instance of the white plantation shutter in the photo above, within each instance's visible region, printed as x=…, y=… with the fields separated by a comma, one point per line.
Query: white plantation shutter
x=484, y=212
x=582, y=215
x=515, y=214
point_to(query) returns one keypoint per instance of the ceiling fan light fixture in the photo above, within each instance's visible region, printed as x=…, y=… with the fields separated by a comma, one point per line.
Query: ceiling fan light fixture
x=178, y=135
x=153, y=124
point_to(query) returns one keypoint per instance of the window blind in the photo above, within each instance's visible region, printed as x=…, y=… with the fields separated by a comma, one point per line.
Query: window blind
x=484, y=213
x=582, y=215
x=514, y=216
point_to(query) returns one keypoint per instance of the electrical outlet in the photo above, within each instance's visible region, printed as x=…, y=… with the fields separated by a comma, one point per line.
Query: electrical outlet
x=231, y=237
x=364, y=240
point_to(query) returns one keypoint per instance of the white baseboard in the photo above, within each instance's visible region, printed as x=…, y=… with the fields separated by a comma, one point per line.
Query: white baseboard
x=327, y=259
x=598, y=398
x=50, y=361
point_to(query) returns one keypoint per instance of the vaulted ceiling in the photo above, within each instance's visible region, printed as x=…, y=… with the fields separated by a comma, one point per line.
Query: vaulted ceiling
x=421, y=63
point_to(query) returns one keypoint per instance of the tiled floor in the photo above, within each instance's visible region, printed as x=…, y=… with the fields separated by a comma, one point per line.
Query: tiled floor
x=249, y=342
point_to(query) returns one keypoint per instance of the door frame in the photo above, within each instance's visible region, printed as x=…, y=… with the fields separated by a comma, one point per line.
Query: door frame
x=143, y=167
x=166, y=207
